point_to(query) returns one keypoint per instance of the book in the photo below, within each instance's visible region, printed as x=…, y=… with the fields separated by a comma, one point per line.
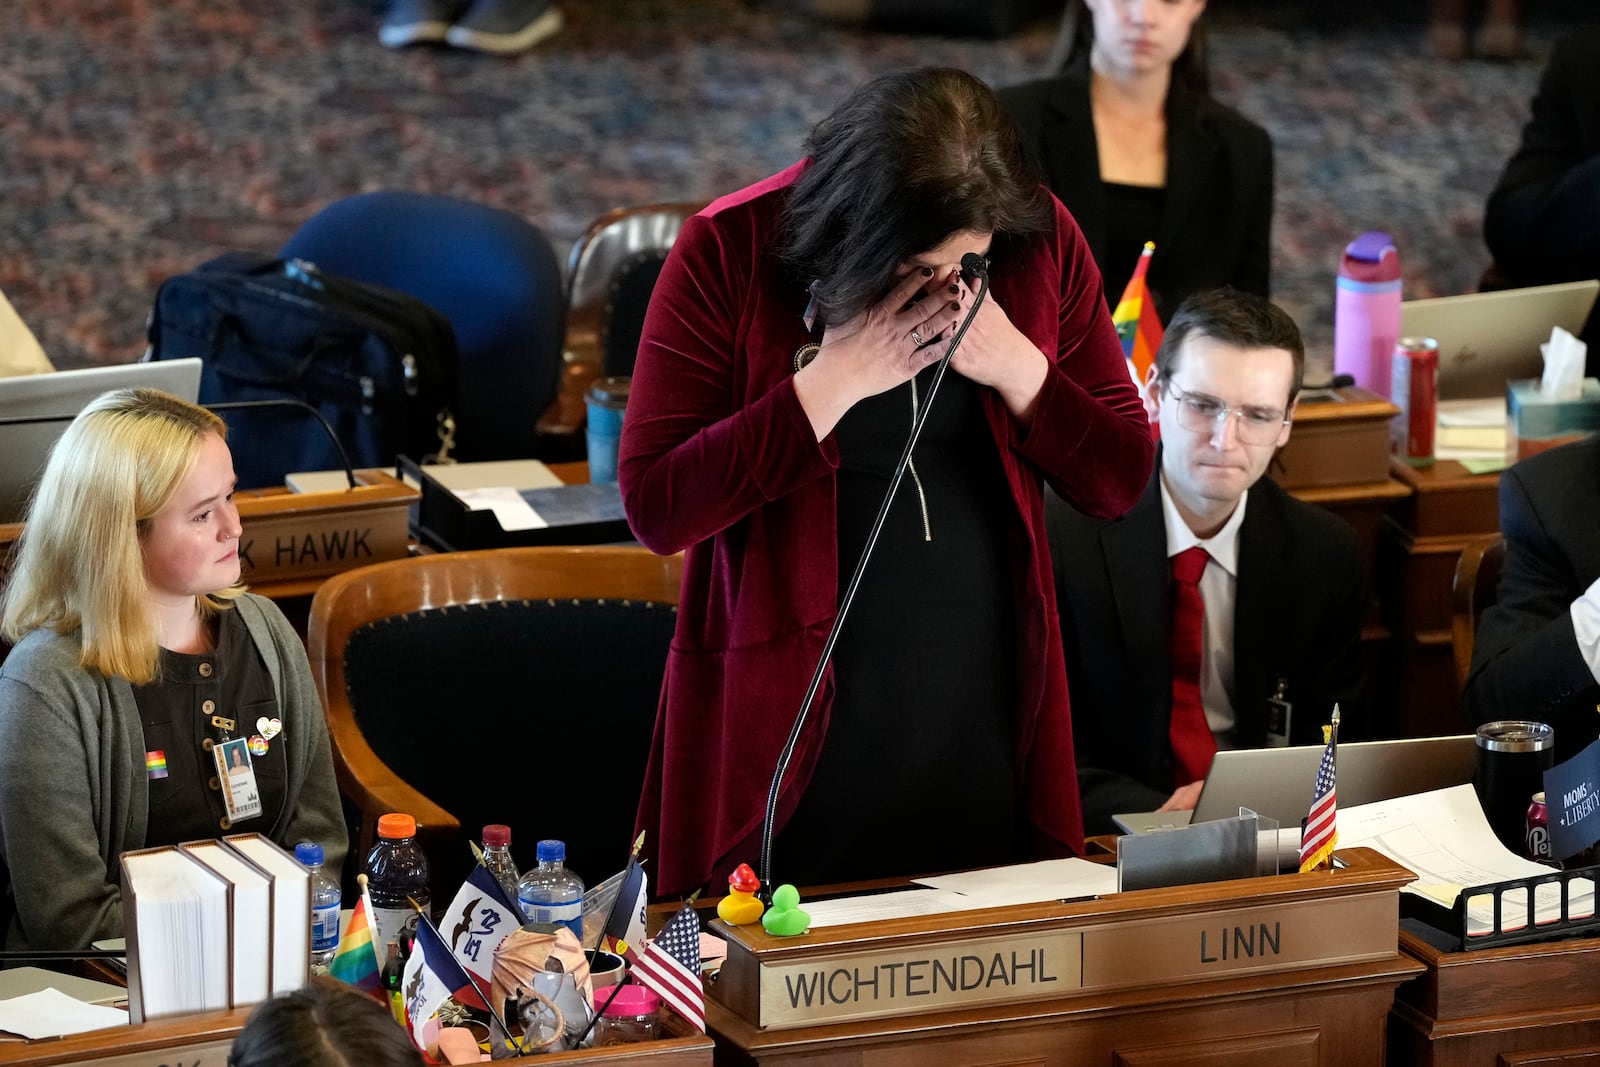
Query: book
x=290, y=933
x=176, y=920
x=250, y=918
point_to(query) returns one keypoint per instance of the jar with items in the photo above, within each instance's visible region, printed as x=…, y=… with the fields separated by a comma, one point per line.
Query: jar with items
x=632, y=1014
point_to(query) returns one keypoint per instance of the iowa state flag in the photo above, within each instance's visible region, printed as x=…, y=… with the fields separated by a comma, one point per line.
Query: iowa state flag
x=1137, y=325
x=481, y=916
x=431, y=977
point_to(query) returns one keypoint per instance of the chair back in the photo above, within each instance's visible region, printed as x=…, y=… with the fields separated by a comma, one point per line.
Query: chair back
x=514, y=685
x=611, y=274
x=492, y=273
x=1476, y=584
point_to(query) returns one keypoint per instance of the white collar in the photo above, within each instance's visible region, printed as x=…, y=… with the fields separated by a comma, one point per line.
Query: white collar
x=1222, y=546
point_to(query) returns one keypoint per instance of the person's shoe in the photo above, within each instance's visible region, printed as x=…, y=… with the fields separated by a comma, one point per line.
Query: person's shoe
x=505, y=27
x=411, y=22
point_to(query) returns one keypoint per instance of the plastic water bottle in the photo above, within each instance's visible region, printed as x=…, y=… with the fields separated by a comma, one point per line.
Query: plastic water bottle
x=397, y=873
x=497, y=857
x=549, y=893
x=1366, y=314
x=325, y=903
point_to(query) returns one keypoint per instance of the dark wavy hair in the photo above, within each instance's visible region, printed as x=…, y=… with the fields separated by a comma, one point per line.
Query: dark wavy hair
x=1076, y=39
x=1244, y=320
x=323, y=1025
x=911, y=159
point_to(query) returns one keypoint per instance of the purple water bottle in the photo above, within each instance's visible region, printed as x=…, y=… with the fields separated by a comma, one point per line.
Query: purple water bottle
x=1366, y=315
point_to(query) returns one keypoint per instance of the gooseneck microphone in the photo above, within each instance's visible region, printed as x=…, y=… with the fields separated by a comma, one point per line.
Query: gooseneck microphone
x=276, y=402
x=303, y=408
x=973, y=266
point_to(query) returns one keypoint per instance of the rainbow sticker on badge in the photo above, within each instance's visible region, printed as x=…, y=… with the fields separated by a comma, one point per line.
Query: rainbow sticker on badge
x=258, y=745
x=155, y=764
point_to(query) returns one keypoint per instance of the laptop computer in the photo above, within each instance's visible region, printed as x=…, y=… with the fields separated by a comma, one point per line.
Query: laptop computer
x=60, y=396
x=1276, y=782
x=1485, y=339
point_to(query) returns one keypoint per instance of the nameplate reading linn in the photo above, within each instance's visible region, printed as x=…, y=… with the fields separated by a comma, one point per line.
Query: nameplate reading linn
x=919, y=978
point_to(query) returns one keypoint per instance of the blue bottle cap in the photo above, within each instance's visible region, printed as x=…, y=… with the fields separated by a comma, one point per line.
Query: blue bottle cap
x=552, y=852
x=308, y=853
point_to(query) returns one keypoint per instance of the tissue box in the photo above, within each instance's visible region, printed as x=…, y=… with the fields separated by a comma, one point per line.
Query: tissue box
x=1536, y=422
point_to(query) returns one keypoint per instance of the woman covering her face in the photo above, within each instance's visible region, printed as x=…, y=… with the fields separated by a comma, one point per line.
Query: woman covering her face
x=137, y=656
x=788, y=348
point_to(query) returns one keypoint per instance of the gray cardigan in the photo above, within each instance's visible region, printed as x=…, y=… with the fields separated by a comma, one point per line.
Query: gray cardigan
x=73, y=791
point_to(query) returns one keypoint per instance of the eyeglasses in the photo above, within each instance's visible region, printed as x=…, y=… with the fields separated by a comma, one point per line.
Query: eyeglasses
x=1199, y=413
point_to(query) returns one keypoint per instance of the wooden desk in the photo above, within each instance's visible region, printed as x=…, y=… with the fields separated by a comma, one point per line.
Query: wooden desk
x=1328, y=1010
x=1421, y=540
x=192, y=1041
x=1520, y=1004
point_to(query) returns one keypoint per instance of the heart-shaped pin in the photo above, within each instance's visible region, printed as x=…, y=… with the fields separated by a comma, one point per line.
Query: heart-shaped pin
x=269, y=728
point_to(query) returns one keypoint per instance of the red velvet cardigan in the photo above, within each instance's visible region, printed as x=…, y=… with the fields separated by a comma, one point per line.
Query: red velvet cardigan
x=719, y=459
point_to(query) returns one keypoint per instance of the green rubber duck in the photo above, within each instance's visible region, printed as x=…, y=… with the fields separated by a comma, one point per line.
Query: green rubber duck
x=784, y=918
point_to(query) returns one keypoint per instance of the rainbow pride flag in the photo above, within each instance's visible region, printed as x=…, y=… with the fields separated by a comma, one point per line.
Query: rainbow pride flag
x=1137, y=325
x=356, y=961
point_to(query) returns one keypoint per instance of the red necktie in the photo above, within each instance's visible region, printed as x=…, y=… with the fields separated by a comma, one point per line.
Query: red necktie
x=1192, y=743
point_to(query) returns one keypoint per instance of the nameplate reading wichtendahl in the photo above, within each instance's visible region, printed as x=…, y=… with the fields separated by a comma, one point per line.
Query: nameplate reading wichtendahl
x=927, y=977
x=836, y=986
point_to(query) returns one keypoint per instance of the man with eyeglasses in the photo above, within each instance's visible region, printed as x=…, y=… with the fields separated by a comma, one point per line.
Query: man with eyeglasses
x=1220, y=612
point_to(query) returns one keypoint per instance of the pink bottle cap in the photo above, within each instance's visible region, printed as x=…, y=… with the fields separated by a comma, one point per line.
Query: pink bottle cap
x=631, y=999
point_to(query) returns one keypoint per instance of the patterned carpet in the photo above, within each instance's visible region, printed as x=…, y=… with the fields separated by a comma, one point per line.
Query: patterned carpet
x=139, y=137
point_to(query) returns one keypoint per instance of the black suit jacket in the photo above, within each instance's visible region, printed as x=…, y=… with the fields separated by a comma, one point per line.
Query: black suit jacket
x=1542, y=221
x=1525, y=659
x=1297, y=617
x=1216, y=222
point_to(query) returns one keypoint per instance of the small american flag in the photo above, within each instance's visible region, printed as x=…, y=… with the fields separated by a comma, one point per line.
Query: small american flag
x=1321, y=834
x=670, y=965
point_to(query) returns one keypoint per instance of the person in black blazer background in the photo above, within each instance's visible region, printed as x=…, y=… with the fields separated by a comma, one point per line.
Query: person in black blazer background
x=1229, y=368
x=1537, y=650
x=1129, y=137
x=1542, y=222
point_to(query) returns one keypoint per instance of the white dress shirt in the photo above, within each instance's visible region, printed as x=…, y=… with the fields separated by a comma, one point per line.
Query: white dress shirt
x=1586, y=624
x=1219, y=590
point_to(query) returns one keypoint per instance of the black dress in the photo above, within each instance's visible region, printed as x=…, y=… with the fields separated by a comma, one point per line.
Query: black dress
x=918, y=771
x=1133, y=216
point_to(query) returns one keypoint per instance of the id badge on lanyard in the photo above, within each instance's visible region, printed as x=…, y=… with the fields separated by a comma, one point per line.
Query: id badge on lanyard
x=236, y=770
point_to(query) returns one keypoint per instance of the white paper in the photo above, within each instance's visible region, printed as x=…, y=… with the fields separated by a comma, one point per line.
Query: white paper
x=994, y=887
x=1029, y=883
x=510, y=510
x=1474, y=413
x=51, y=1013
x=1563, y=366
x=897, y=905
x=1444, y=837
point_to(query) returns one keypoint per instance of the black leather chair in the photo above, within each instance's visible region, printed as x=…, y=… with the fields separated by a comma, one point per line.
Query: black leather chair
x=514, y=685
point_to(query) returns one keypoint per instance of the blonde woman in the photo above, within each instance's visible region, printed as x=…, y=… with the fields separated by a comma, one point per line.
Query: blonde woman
x=138, y=655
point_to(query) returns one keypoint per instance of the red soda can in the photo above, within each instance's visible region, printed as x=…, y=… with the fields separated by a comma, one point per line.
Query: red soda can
x=1538, y=833
x=1415, y=389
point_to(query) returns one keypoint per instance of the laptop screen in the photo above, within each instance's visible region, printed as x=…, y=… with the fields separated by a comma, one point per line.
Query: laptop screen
x=1277, y=782
x=24, y=449
x=1487, y=339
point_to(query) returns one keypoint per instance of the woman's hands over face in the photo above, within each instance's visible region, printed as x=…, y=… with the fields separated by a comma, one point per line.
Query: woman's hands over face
x=893, y=340
x=909, y=330
x=885, y=345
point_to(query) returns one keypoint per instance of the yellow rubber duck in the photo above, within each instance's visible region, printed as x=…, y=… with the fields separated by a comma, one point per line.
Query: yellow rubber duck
x=741, y=906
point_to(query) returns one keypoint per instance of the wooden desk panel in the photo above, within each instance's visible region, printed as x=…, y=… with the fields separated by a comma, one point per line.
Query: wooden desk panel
x=1325, y=1017
x=1419, y=544
x=1520, y=1004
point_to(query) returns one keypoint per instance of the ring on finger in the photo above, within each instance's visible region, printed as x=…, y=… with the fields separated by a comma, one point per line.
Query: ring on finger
x=916, y=336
